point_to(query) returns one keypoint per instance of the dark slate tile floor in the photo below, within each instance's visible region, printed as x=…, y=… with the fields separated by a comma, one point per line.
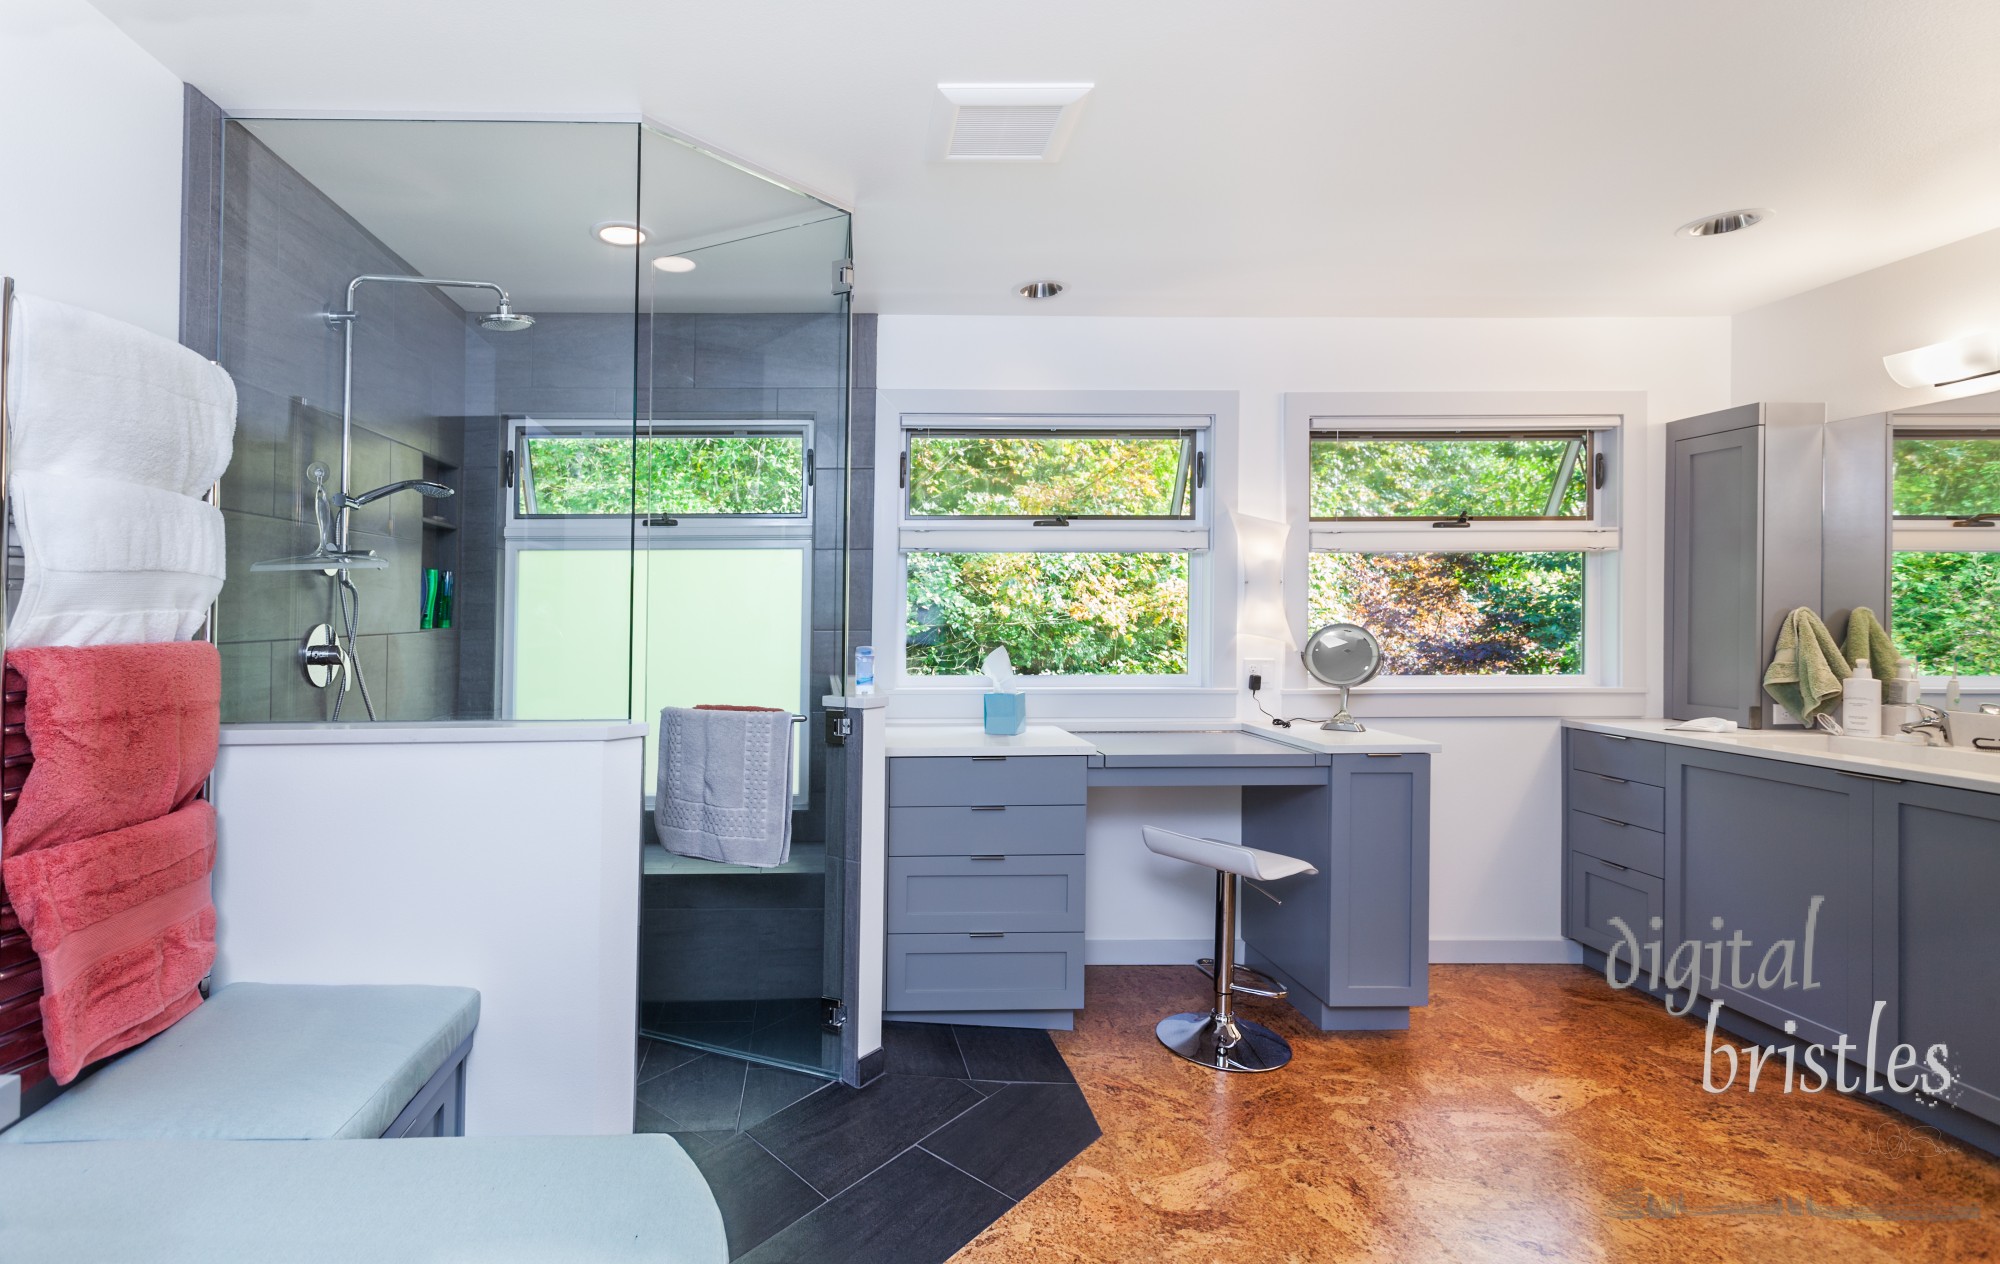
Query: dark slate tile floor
x=964, y=1122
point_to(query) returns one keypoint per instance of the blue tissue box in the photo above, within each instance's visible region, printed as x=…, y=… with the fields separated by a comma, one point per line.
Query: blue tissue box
x=1006, y=714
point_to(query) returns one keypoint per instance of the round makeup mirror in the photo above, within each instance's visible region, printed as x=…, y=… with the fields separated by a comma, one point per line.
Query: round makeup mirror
x=1343, y=655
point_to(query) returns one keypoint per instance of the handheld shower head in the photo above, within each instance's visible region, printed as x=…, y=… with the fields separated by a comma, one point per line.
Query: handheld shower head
x=505, y=319
x=423, y=487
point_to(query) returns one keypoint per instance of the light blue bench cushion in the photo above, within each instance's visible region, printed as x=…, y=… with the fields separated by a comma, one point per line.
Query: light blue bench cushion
x=268, y=1062
x=491, y=1199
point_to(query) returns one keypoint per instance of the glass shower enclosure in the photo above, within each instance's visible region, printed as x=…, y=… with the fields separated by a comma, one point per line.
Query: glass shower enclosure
x=548, y=421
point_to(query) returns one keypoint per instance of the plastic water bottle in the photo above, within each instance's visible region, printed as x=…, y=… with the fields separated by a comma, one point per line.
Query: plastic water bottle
x=864, y=670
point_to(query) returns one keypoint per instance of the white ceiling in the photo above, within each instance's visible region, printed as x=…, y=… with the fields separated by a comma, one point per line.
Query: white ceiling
x=1424, y=157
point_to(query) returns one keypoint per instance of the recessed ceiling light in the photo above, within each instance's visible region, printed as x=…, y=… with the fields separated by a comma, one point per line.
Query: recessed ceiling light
x=1726, y=222
x=1041, y=289
x=618, y=232
x=674, y=263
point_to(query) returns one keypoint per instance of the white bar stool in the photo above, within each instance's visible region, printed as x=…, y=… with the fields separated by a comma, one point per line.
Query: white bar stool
x=1218, y=1039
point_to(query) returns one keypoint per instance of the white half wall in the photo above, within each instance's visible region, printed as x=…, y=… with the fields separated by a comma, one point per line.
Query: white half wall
x=1826, y=345
x=502, y=858
x=1496, y=827
x=91, y=156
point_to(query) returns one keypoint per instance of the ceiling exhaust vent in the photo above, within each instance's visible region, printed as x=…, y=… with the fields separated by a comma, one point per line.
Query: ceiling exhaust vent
x=1004, y=122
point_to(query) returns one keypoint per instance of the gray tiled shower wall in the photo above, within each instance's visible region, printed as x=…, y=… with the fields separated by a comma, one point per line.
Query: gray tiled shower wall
x=287, y=253
x=432, y=387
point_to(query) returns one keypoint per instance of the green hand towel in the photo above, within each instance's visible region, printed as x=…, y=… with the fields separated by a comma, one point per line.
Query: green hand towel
x=1806, y=671
x=1867, y=639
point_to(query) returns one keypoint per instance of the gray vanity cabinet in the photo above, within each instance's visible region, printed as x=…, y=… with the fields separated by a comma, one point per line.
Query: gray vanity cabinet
x=1751, y=844
x=985, y=889
x=1910, y=915
x=1743, y=550
x=1354, y=938
x=1937, y=926
x=1614, y=794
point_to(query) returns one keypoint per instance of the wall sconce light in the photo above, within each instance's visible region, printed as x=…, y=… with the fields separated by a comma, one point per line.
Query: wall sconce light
x=1261, y=545
x=1947, y=363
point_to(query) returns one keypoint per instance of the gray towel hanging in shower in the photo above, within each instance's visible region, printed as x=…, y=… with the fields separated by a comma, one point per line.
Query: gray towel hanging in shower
x=725, y=785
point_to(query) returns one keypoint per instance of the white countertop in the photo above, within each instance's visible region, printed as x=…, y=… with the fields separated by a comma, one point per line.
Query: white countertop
x=365, y=733
x=963, y=740
x=1871, y=756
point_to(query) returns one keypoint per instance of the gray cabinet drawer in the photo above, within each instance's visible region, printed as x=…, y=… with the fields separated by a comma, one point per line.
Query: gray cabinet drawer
x=997, y=828
x=1599, y=892
x=985, y=893
x=1619, y=843
x=1625, y=757
x=1616, y=799
x=924, y=781
x=984, y=972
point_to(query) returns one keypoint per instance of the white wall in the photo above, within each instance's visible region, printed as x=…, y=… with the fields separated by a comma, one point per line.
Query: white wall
x=91, y=158
x=1826, y=345
x=498, y=857
x=1495, y=837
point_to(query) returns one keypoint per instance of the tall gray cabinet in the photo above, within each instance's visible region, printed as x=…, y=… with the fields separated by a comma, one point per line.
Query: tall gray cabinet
x=1743, y=549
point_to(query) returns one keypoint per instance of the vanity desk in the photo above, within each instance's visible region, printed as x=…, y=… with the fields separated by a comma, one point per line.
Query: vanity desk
x=987, y=860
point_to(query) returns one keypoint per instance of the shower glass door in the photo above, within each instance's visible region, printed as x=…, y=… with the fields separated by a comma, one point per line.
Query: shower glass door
x=739, y=585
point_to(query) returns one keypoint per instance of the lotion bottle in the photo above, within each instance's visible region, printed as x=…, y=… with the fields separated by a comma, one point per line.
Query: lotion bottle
x=1861, y=702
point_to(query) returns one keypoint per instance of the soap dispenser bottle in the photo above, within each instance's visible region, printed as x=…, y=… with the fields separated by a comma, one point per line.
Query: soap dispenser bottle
x=1861, y=702
x=1899, y=702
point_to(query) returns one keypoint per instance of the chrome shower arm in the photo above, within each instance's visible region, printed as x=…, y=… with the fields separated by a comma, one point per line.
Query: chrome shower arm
x=446, y=282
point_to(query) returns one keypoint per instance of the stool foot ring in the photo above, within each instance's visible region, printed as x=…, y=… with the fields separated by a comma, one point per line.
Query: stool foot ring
x=1224, y=1044
x=1246, y=981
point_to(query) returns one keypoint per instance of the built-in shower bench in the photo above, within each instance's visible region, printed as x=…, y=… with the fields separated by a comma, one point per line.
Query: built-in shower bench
x=279, y=1062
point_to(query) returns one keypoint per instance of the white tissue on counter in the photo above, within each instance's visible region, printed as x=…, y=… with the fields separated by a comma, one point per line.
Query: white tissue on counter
x=999, y=671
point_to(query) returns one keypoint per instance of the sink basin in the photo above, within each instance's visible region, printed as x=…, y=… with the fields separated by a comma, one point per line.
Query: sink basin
x=1955, y=758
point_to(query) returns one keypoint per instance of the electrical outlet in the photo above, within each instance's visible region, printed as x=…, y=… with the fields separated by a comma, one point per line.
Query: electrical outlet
x=1264, y=667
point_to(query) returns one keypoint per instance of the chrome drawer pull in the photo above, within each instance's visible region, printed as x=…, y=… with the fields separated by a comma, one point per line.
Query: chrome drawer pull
x=1616, y=737
x=989, y=807
x=1613, y=864
x=986, y=858
x=987, y=934
x=1616, y=781
x=989, y=759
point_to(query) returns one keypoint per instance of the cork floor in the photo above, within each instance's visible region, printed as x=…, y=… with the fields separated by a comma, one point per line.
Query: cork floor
x=1525, y=1116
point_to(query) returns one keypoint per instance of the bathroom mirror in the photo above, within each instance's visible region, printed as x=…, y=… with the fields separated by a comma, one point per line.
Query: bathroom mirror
x=1343, y=655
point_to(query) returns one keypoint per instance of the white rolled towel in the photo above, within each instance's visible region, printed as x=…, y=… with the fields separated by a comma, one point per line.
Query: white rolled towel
x=111, y=563
x=93, y=396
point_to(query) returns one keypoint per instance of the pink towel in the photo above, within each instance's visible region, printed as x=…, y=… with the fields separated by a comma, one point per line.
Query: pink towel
x=106, y=855
x=120, y=734
x=125, y=929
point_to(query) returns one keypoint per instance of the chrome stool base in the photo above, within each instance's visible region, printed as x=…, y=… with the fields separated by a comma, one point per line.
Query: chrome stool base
x=1224, y=1043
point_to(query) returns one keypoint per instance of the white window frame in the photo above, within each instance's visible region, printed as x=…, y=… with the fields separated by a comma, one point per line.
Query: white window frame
x=633, y=533
x=1937, y=535
x=1206, y=538
x=1616, y=578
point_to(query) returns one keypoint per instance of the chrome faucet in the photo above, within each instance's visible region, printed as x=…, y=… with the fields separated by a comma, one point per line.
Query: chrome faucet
x=1935, y=725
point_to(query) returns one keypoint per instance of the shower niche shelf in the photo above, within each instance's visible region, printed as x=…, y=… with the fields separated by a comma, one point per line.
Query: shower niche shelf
x=439, y=554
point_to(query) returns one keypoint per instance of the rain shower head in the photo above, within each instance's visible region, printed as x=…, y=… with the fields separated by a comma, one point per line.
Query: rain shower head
x=502, y=319
x=505, y=320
